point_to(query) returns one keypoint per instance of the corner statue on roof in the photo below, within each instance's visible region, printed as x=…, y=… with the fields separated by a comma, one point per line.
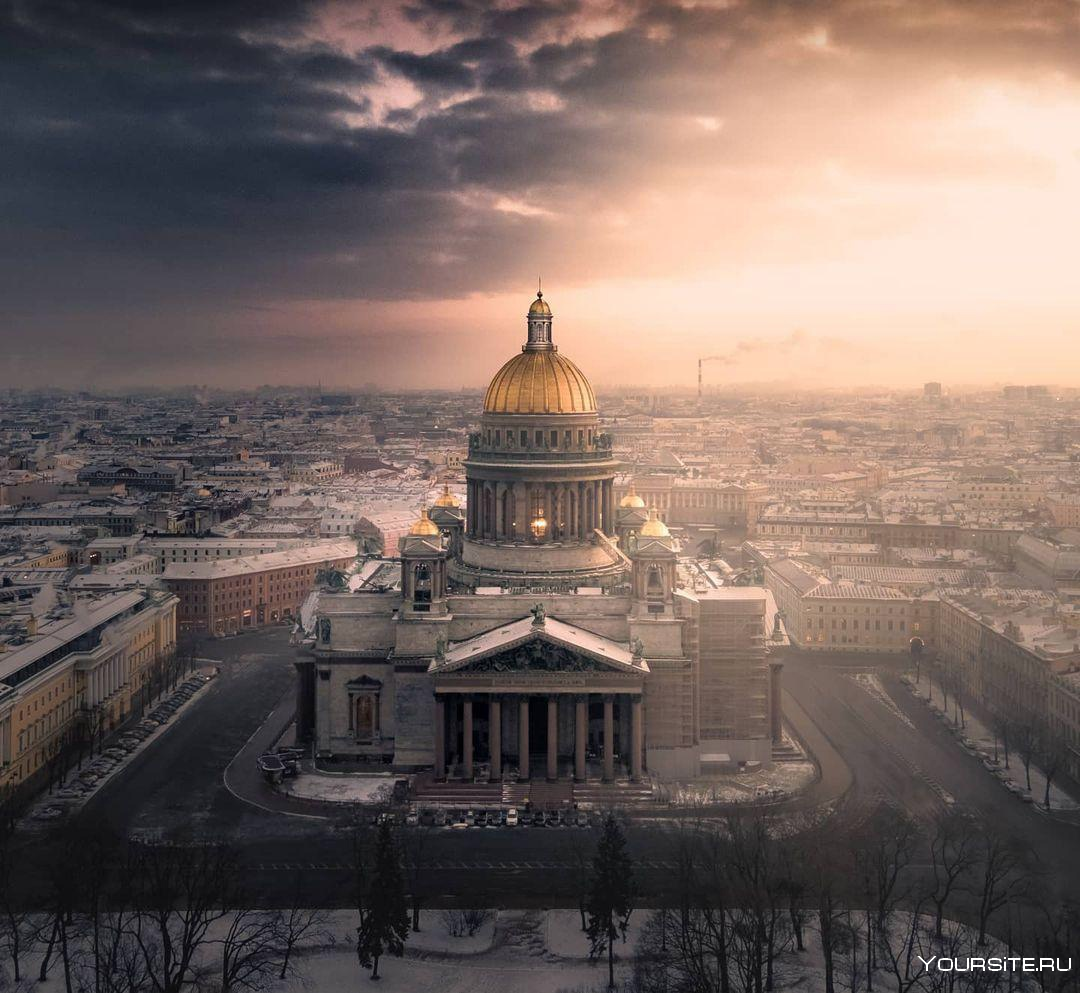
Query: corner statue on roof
x=538, y=630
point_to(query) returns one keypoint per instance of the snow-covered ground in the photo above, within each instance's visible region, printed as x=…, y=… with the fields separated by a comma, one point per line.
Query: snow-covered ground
x=779, y=779
x=341, y=787
x=546, y=952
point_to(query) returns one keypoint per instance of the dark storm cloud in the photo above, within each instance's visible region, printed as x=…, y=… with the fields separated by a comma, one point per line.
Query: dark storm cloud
x=186, y=158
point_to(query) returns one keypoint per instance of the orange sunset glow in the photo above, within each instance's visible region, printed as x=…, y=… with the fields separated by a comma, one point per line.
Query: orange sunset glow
x=821, y=193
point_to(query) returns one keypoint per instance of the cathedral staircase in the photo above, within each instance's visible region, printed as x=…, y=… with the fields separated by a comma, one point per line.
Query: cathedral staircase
x=537, y=793
x=787, y=750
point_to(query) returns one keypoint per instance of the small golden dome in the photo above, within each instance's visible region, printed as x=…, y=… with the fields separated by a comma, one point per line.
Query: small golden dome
x=632, y=499
x=654, y=527
x=540, y=382
x=447, y=499
x=539, y=306
x=425, y=525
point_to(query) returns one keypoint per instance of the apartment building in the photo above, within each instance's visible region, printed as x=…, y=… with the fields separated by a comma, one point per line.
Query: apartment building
x=224, y=596
x=79, y=666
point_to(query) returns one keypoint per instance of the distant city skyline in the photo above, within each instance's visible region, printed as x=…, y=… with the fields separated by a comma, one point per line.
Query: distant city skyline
x=826, y=193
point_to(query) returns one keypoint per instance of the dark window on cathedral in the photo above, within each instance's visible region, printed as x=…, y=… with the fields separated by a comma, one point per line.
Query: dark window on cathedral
x=422, y=587
x=580, y=437
x=539, y=438
x=524, y=437
x=554, y=439
x=498, y=437
x=567, y=437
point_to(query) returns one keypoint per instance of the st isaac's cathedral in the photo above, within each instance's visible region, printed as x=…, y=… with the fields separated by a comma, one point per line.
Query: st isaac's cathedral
x=540, y=631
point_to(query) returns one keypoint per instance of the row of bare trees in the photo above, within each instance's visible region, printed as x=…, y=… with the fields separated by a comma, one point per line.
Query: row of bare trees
x=1035, y=741
x=872, y=900
x=126, y=917
x=1032, y=737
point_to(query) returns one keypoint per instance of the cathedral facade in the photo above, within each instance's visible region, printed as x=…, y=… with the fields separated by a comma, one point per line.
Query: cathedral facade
x=540, y=631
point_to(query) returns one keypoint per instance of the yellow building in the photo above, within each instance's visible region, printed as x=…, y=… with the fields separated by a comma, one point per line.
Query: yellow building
x=83, y=667
x=825, y=615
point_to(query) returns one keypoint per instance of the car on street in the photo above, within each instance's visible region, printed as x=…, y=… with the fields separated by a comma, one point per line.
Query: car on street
x=512, y=817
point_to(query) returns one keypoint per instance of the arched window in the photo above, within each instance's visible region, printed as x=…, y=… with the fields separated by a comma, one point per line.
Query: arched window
x=654, y=582
x=422, y=586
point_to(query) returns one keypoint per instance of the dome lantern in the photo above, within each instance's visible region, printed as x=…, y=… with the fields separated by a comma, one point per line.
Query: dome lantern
x=539, y=324
x=539, y=380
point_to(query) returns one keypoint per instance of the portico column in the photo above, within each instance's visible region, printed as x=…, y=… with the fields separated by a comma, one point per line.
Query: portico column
x=636, y=737
x=580, y=510
x=609, y=738
x=467, y=735
x=581, y=717
x=523, y=738
x=440, y=737
x=495, y=736
x=553, y=738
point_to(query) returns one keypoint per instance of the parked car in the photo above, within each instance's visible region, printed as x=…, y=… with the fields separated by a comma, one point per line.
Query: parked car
x=512, y=817
x=538, y=819
x=440, y=818
x=480, y=819
x=582, y=819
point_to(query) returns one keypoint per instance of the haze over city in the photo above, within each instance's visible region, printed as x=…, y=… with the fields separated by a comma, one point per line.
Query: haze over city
x=827, y=193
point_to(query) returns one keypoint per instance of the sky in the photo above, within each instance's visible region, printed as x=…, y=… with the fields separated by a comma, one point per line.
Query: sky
x=270, y=191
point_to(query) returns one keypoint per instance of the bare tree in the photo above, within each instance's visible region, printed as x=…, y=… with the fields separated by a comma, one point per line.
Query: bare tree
x=414, y=840
x=299, y=924
x=179, y=892
x=760, y=892
x=828, y=858
x=577, y=848
x=249, y=950
x=16, y=923
x=62, y=870
x=953, y=849
x=1052, y=751
x=1000, y=876
x=883, y=850
x=1026, y=742
x=1001, y=725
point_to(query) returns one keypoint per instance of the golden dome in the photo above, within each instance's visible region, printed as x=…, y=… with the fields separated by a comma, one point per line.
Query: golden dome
x=447, y=499
x=539, y=306
x=632, y=499
x=425, y=525
x=539, y=382
x=654, y=527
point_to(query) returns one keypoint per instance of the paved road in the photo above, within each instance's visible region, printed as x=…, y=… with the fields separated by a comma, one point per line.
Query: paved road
x=911, y=759
x=867, y=751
